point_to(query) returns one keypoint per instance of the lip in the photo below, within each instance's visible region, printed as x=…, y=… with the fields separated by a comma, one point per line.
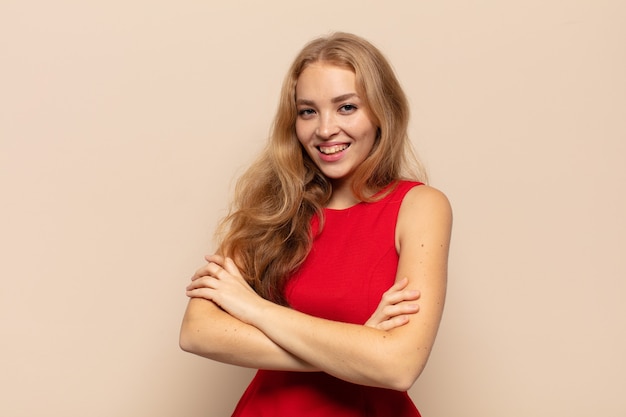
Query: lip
x=335, y=156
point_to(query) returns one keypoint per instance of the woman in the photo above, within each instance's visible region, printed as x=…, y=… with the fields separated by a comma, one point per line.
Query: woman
x=327, y=249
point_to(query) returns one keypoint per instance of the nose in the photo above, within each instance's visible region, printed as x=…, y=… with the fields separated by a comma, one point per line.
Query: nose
x=327, y=127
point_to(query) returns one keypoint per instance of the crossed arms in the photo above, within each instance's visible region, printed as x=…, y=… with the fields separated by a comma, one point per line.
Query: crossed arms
x=227, y=321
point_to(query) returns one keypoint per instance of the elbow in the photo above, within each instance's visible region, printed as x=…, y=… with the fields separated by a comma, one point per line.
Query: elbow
x=403, y=375
x=403, y=381
x=185, y=341
x=195, y=339
x=402, y=365
x=198, y=331
x=188, y=337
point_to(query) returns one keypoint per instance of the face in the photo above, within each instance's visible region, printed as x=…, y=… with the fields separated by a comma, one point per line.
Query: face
x=333, y=123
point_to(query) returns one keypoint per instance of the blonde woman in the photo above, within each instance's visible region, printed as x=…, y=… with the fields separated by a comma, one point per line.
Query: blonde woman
x=332, y=241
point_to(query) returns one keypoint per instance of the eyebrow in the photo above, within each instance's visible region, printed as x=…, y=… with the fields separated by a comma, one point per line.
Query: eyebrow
x=333, y=100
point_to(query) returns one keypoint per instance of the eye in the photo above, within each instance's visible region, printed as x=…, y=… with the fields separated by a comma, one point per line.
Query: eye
x=306, y=113
x=347, y=108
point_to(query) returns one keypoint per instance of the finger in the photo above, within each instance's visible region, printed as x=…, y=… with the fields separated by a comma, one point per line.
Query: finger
x=389, y=312
x=396, y=297
x=399, y=310
x=400, y=284
x=209, y=281
x=410, y=295
x=209, y=269
x=393, y=322
x=200, y=272
x=231, y=267
x=215, y=258
x=206, y=293
x=212, y=269
x=200, y=283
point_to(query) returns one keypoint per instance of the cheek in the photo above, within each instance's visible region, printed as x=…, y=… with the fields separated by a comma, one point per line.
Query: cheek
x=372, y=132
x=363, y=127
x=301, y=132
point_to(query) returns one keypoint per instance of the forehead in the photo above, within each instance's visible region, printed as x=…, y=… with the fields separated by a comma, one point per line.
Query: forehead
x=324, y=80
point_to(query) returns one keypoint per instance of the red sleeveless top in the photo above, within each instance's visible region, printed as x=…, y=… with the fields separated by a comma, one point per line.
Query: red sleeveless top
x=352, y=262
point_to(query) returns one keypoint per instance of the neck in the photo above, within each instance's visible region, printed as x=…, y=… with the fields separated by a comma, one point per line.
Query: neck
x=342, y=196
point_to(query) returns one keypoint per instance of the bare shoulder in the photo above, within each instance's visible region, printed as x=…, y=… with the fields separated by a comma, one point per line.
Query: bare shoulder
x=425, y=211
x=425, y=200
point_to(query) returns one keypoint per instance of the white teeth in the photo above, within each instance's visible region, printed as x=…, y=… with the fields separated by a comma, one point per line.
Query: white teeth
x=329, y=150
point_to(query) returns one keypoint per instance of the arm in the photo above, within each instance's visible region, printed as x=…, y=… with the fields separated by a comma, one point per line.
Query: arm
x=211, y=332
x=364, y=355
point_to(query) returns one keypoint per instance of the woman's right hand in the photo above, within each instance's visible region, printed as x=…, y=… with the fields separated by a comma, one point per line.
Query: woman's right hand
x=395, y=307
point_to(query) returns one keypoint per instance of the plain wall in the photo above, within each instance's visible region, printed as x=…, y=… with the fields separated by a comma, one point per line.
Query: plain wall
x=123, y=124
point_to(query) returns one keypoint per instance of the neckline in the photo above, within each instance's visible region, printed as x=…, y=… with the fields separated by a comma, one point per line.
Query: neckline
x=383, y=190
x=339, y=210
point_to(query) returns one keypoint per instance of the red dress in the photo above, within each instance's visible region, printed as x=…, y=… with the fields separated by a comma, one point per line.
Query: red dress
x=353, y=261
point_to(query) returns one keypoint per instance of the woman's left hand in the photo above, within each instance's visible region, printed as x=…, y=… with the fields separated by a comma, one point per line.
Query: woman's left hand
x=221, y=282
x=396, y=306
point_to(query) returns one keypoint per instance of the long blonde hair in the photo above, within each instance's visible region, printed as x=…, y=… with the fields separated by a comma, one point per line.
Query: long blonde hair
x=267, y=232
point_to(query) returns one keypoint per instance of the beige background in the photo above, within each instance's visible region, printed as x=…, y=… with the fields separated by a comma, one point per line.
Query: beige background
x=122, y=125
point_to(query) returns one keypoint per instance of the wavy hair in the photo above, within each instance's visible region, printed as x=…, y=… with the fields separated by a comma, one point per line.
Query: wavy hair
x=268, y=231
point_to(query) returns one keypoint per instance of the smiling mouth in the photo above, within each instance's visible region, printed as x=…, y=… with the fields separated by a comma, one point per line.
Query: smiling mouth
x=330, y=150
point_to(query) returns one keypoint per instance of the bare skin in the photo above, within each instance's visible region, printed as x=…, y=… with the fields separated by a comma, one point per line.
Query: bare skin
x=241, y=344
